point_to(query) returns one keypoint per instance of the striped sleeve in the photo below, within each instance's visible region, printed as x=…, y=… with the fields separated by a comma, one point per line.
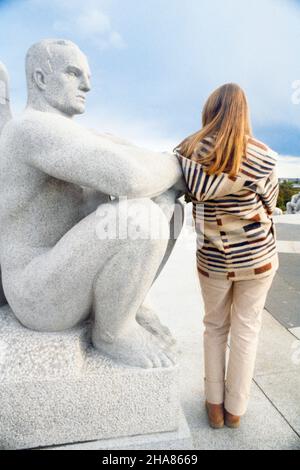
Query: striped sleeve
x=269, y=190
x=203, y=186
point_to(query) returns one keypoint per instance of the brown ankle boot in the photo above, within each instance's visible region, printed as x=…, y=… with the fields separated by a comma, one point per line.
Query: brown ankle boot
x=215, y=415
x=232, y=421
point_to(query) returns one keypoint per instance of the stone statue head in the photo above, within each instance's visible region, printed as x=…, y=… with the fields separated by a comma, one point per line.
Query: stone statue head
x=58, y=77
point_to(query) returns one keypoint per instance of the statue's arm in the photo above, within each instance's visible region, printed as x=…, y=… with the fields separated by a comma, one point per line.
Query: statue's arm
x=68, y=152
x=268, y=189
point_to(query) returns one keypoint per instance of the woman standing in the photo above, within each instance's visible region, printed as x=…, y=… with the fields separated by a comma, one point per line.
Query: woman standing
x=232, y=183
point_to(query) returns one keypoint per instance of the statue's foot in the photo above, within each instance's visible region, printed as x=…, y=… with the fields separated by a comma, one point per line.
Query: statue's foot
x=148, y=319
x=138, y=348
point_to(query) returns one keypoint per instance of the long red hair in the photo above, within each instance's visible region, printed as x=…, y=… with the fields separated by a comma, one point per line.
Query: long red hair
x=226, y=125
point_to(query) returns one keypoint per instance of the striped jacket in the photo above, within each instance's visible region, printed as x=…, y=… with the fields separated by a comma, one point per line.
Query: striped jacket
x=236, y=236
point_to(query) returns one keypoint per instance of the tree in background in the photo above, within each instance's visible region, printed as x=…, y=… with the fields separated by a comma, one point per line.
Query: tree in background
x=286, y=191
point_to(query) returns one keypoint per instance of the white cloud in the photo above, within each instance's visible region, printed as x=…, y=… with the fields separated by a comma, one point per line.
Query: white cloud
x=116, y=40
x=88, y=20
x=288, y=167
x=93, y=22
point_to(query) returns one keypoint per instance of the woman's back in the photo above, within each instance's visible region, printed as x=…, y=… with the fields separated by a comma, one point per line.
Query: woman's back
x=231, y=180
x=236, y=235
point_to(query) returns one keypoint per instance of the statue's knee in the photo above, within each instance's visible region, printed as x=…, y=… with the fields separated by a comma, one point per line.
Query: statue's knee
x=132, y=219
x=144, y=220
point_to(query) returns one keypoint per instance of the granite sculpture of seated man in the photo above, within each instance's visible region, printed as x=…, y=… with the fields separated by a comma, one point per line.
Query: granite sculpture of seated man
x=293, y=207
x=61, y=185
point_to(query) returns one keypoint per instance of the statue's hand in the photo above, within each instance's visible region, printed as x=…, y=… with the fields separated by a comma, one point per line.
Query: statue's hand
x=180, y=187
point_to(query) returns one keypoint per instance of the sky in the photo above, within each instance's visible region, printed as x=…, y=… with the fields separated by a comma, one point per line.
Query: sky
x=154, y=63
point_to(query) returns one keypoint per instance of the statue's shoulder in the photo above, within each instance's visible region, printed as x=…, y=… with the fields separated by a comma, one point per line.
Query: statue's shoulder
x=31, y=120
x=23, y=123
x=24, y=133
x=10, y=131
x=36, y=129
x=30, y=126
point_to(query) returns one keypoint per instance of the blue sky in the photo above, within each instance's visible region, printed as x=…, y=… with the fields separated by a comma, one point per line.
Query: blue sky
x=154, y=62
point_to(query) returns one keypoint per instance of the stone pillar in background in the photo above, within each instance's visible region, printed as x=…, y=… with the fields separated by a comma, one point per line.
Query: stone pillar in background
x=5, y=111
x=5, y=116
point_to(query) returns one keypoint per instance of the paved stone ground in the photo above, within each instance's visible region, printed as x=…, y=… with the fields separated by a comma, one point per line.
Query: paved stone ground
x=284, y=298
x=273, y=417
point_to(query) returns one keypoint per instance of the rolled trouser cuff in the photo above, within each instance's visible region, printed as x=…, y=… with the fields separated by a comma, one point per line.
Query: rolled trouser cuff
x=236, y=404
x=214, y=391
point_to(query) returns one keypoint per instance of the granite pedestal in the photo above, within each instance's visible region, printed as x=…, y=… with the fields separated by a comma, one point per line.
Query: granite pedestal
x=56, y=389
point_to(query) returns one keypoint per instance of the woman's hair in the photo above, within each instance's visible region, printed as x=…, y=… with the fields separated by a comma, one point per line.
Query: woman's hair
x=221, y=143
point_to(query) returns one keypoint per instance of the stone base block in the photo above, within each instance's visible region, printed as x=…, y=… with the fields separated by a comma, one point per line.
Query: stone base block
x=56, y=389
x=180, y=439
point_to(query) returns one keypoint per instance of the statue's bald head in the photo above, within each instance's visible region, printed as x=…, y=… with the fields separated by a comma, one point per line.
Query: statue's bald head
x=43, y=54
x=58, y=69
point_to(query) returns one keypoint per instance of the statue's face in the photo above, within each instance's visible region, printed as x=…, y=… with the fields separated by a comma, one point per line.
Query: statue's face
x=66, y=85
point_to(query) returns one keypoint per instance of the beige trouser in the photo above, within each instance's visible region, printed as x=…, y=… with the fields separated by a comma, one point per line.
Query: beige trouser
x=235, y=307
